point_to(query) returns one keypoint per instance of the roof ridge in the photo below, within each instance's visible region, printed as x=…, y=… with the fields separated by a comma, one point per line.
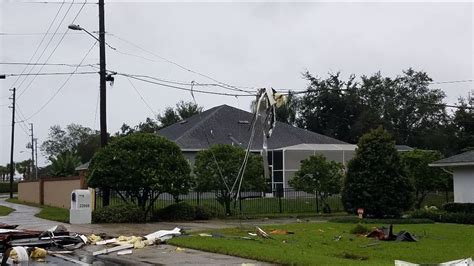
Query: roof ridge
x=217, y=108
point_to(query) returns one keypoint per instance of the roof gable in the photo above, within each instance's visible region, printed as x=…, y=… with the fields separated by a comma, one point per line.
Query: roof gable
x=466, y=158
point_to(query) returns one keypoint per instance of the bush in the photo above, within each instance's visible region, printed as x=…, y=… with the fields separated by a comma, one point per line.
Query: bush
x=5, y=187
x=183, y=212
x=445, y=217
x=359, y=229
x=459, y=207
x=175, y=212
x=125, y=213
x=382, y=221
x=375, y=180
x=204, y=213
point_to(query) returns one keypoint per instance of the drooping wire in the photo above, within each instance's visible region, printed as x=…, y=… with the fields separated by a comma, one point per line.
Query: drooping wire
x=141, y=97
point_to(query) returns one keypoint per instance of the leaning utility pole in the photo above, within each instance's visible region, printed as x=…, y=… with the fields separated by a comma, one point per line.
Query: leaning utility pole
x=32, y=153
x=103, y=86
x=12, y=166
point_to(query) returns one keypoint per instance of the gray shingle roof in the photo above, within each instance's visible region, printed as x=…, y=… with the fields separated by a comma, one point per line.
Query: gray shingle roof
x=466, y=158
x=228, y=125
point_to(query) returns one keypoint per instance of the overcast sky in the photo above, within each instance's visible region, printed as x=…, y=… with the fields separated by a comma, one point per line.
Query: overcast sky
x=243, y=44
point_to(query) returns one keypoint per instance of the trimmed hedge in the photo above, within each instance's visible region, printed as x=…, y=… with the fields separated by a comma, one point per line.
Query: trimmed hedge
x=459, y=207
x=356, y=220
x=183, y=212
x=5, y=187
x=124, y=213
x=445, y=217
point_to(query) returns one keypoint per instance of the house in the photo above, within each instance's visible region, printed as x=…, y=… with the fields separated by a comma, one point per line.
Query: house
x=287, y=146
x=462, y=168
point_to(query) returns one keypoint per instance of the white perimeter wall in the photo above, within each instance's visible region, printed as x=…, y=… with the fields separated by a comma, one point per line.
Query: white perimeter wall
x=464, y=184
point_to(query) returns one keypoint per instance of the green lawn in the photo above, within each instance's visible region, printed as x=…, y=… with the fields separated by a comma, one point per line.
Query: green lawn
x=314, y=244
x=4, y=211
x=47, y=212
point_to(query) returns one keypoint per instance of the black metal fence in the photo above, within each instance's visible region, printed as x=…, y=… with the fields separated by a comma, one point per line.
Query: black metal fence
x=248, y=202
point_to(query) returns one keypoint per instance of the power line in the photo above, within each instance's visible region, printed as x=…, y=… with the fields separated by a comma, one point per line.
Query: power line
x=46, y=64
x=141, y=97
x=184, y=89
x=60, y=87
x=228, y=86
x=44, y=50
x=53, y=2
x=32, y=33
x=451, y=81
x=39, y=45
x=57, y=45
x=51, y=73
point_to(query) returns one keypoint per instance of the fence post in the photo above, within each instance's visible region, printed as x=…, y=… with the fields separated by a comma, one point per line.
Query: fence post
x=240, y=202
x=198, y=198
x=317, y=204
x=279, y=193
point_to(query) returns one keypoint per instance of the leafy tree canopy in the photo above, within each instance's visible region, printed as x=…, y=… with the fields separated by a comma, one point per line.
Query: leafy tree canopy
x=76, y=139
x=375, y=179
x=64, y=164
x=142, y=166
x=318, y=175
x=216, y=169
x=424, y=178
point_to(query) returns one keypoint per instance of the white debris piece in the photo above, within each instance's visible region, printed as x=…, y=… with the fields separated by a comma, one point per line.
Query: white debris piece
x=163, y=235
x=105, y=242
x=109, y=250
x=461, y=262
x=125, y=252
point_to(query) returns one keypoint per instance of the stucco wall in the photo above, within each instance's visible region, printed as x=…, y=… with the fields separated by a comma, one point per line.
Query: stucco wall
x=57, y=193
x=463, y=179
x=29, y=191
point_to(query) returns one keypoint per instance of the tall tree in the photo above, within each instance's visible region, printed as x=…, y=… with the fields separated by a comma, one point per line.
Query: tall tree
x=75, y=138
x=64, y=164
x=168, y=117
x=375, y=179
x=216, y=169
x=24, y=168
x=463, y=122
x=4, y=172
x=187, y=109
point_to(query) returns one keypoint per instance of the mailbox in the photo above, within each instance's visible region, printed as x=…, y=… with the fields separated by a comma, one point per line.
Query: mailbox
x=81, y=211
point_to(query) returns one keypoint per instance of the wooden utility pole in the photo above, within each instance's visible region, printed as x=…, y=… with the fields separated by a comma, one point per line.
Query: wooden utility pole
x=103, y=91
x=12, y=165
x=32, y=153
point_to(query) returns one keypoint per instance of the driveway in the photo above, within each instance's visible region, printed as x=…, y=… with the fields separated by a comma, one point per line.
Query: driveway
x=153, y=255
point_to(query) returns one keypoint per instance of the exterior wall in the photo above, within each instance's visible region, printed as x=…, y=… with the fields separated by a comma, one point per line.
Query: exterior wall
x=463, y=179
x=29, y=191
x=50, y=191
x=57, y=192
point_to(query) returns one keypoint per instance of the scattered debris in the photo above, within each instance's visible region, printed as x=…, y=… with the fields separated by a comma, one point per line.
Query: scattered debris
x=281, y=232
x=461, y=262
x=110, y=250
x=178, y=249
x=386, y=234
x=163, y=235
x=125, y=252
x=206, y=235
x=8, y=226
x=262, y=233
x=337, y=238
x=93, y=239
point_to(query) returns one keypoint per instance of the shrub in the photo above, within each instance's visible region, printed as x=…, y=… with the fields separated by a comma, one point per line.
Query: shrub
x=382, y=221
x=183, y=212
x=445, y=217
x=459, y=207
x=375, y=179
x=125, y=213
x=359, y=229
x=175, y=212
x=204, y=213
x=5, y=187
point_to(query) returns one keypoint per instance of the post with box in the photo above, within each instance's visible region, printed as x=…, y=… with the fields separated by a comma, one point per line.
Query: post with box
x=81, y=209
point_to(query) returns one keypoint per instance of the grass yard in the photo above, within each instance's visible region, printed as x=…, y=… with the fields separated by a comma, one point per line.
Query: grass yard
x=4, y=211
x=47, y=212
x=314, y=244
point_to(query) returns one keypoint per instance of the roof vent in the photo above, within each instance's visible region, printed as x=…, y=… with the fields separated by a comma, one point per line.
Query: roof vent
x=183, y=122
x=244, y=122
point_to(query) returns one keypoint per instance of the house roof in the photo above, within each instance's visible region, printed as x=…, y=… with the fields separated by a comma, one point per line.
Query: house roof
x=321, y=147
x=228, y=125
x=463, y=159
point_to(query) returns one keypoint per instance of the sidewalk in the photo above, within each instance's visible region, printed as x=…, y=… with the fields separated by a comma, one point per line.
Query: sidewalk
x=153, y=255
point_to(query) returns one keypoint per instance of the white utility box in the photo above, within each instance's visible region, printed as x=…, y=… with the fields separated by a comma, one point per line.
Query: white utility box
x=81, y=211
